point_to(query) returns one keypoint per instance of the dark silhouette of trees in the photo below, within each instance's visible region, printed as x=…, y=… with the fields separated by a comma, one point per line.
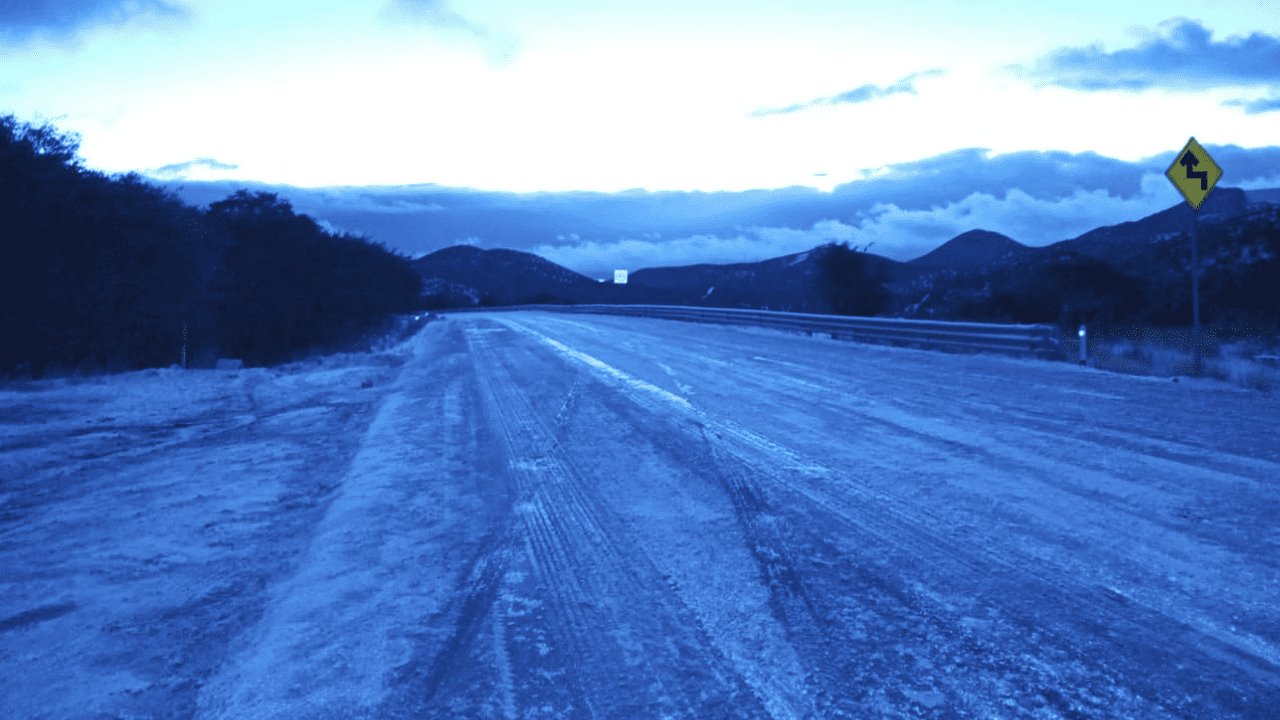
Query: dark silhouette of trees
x=1246, y=295
x=849, y=282
x=104, y=273
x=287, y=285
x=1069, y=291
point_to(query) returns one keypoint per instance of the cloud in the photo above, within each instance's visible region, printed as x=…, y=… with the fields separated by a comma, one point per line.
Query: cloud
x=903, y=210
x=353, y=200
x=593, y=257
x=498, y=47
x=953, y=175
x=65, y=19
x=904, y=233
x=862, y=94
x=198, y=169
x=1179, y=54
x=1255, y=107
x=890, y=230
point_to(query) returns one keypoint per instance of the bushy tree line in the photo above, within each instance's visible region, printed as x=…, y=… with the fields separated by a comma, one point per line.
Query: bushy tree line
x=106, y=273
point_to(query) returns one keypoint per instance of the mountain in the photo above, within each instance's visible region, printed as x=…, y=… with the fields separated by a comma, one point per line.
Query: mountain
x=1130, y=273
x=791, y=282
x=779, y=283
x=463, y=276
x=1133, y=272
x=1126, y=244
x=972, y=250
x=466, y=275
x=1267, y=195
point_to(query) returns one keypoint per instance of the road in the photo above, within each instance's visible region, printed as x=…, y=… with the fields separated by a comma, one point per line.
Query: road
x=535, y=515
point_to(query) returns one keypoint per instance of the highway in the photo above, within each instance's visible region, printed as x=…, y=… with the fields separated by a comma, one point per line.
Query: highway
x=538, y=515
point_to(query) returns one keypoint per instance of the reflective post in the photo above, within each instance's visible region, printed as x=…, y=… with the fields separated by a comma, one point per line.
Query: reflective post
x=1084, y=345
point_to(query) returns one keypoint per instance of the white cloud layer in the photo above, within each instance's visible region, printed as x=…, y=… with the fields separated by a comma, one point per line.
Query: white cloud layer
x=891, y=231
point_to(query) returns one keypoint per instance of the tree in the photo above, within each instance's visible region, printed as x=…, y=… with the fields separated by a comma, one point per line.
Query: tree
x=39, y=178
x=849, y=282
x=286, y=285
x=103, y=273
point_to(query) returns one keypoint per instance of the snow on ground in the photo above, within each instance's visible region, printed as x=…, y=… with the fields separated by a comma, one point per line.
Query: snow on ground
x=532, y=515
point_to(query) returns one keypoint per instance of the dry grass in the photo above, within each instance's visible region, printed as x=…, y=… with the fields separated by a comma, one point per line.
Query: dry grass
x=1246, y=362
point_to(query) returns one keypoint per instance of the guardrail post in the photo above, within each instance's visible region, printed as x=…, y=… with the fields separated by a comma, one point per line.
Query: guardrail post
x=1084, y=344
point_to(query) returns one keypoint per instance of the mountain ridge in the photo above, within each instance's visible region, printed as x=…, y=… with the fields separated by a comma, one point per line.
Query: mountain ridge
x=1134, y=270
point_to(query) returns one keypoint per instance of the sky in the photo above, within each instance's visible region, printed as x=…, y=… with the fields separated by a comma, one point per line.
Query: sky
x=553, y=99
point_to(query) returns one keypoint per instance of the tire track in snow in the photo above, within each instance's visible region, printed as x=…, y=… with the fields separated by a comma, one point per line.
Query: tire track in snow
x=896, y=526
x=969, y=446
x=914, y=533
x=419, y=683
x=776, y=691
x=560, y=522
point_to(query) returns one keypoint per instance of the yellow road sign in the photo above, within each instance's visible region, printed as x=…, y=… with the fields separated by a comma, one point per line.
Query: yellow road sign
x=1194, y=173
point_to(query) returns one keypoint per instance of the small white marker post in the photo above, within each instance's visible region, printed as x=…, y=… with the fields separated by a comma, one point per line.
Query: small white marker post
x=1084, y=345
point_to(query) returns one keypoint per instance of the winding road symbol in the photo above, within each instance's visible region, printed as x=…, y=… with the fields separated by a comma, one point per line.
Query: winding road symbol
x=1188, y=161
x=1194, y=173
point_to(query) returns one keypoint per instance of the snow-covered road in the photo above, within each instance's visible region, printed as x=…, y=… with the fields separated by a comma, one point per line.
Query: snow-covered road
x=536, y=515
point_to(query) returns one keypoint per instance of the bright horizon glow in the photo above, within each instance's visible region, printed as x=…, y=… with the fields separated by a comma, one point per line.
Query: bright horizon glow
x=522, y=96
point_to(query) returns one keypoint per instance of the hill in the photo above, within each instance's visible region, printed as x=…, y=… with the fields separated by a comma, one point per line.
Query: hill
x=464, y=275
x=791, y=282
x=782, y=283
x=1132, y=272
x=972, y=250
x=1128, y=244
x=1267, y=195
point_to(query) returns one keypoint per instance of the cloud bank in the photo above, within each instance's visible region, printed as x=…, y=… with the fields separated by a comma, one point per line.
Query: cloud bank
x=1179, y=54
x=890, y=230
x=903, y=210
x=1255, y=107
x=65, y=19
x=862, y=94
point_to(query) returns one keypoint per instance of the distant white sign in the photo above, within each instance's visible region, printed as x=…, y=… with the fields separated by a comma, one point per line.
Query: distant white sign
x=619, y=277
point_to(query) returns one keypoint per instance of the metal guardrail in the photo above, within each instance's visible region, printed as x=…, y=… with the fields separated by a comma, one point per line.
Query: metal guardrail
x=1037, y=340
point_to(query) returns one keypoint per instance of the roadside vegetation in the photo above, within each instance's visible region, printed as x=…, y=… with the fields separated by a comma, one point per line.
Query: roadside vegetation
x=849, y=282
x=1246, y=358
x=111, y=273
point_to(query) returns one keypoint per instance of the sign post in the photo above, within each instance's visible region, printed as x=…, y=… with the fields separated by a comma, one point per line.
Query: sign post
x=1194, y=174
